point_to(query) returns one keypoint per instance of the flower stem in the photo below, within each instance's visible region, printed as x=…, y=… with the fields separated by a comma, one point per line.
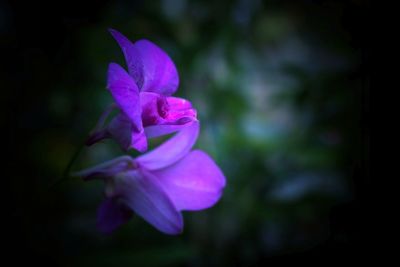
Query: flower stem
x=67, y=169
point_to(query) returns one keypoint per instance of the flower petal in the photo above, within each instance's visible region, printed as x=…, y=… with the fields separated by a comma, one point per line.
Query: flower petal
x=125, y=93
x=111, y=214
x=99, y=133
x=107, y=169
x=96, y=136
x=193, y=183
x=179, y=108
x=179, y=103
x=132, y=57
x=164, y=115
x=154, y=108
x=120, y=128
x=151, y=68
x=172, y=150
x=142, y=192
x=164, y=129
x=159, y=71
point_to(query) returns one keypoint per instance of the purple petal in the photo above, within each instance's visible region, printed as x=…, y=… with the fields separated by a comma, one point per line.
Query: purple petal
x=99, y=133
x=159, y=72
x=179, y=103
x=154, y=108
x=125, y=93
x=179, y=111
x=139, y=141
x=111, y=214
x=172, y=150
x=143, y=194
x=132, y=57
x=164, y=129
x=164, y=115
x=107, y=169
x=97, y=136
x=151, y=68
x=193, y=183
x=121, y=129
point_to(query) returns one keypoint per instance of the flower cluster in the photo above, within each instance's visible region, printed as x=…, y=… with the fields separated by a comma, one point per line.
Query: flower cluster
x=171, y=178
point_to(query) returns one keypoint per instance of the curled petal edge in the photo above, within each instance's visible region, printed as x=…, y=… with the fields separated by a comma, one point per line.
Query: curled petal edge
x=172, y=150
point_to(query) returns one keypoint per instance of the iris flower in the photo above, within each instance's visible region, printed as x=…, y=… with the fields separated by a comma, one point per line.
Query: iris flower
x=159, y=184
x=143, y=96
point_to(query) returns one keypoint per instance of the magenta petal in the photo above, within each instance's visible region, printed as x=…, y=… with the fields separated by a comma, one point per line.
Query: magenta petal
x=120, y=128
x=125, y=93
x=154, y=108
x=132, y=57
x=159, y=72
x=180, y=111
x=172, y=150
x=164, y=115
x=111, y=214
x=143, y=194
x=193, y=183
x=178, y=103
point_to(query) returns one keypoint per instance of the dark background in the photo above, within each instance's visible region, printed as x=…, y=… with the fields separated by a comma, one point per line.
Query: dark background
x=281, y=89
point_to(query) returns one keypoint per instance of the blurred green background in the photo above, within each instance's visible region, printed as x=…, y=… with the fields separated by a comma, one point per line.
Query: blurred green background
x=281, y=92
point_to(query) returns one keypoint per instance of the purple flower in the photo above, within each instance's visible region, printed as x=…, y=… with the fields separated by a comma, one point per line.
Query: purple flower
x=158, y=185
x=143, y=95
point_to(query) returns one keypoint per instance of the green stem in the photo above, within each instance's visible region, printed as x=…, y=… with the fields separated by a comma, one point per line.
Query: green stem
x=66, y=172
